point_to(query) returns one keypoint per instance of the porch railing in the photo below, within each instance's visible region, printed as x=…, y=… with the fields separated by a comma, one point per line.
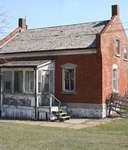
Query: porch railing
x=54, y=101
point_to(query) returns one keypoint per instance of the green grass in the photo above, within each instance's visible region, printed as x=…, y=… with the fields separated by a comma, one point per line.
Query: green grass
x=110, y=136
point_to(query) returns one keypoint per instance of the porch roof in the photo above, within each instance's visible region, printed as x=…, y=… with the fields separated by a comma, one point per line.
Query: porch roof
x=34, y=63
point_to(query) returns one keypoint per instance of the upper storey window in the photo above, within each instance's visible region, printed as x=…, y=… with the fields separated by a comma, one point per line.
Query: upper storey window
x=117, y=47
x=126, y=53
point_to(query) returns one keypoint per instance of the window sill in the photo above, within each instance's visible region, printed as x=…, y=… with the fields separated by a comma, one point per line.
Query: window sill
x=68, y=92
x=117, y=55
x=125, y=59
x=116, y=92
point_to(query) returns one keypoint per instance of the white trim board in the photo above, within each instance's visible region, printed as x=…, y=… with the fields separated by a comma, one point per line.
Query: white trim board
x=47, y=53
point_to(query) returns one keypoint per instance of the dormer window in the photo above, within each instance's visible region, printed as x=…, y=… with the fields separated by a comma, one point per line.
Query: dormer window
x=126, y=53
x=117, y=47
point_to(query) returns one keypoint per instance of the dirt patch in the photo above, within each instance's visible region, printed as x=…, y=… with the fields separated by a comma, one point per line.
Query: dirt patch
x=72, y=123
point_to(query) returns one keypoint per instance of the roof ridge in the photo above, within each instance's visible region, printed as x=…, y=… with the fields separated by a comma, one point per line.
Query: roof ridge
x=75, y=24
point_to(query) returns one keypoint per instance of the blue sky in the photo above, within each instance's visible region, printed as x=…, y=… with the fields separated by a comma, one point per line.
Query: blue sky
x=43, y=13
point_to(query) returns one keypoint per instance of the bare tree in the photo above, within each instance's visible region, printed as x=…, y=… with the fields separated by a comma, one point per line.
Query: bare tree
x=3, y=22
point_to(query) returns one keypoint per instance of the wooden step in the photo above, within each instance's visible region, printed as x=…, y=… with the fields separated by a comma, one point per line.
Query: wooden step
x=63, y=114
x=62, y=118
x=60, y=114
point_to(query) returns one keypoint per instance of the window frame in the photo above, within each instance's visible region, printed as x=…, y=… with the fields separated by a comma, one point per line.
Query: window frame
x=126, y=48
x=115, y=90
x=117, y=42
x=64, y=67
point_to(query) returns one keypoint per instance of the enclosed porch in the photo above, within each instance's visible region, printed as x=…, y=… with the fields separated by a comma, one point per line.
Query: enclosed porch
x=27, y=89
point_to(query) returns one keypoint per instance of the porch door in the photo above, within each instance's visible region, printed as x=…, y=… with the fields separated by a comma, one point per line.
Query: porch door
x=47, y=85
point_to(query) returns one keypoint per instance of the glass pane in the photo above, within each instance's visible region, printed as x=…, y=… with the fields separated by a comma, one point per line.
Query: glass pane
x=115, y=79
x=114, y=73
x=69, y=79
x=118, y=46
x=18, y=81
x=67, y=85
x=72, y=85
x=126, y=53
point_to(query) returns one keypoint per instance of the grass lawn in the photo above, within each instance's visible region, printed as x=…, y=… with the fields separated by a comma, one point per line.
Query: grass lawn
x=110, y=136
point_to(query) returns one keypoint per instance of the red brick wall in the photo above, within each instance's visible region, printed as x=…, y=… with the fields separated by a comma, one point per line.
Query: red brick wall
x=94, y=71
x=87, y=79
x=113, y=31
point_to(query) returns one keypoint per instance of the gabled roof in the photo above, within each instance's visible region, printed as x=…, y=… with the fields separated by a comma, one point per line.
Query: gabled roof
x=55, y=38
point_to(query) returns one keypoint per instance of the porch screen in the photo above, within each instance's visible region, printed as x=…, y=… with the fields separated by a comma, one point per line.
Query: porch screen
x=29, y=81
x=7, y=78
x=18, y=81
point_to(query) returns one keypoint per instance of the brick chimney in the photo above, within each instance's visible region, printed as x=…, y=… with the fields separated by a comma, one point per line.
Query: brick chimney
x=22, y=23
x=115, y=10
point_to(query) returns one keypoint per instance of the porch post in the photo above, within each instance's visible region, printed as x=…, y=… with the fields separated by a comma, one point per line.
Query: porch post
x=36, y=110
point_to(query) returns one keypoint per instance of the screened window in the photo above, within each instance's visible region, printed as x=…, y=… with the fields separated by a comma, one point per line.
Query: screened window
x=117, y=47
x=45, y=82
x=125, y=53
x=115, y=79
x=39, y=81
x=7, y=77
x=29, y=81
x=18, y=81
x=68, y=78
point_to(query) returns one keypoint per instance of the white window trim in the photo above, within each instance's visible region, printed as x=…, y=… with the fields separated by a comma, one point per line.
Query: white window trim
x=115, y=66
x=68, y=66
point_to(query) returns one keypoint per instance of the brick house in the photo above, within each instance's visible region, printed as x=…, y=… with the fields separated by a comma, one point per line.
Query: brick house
x=75, y=65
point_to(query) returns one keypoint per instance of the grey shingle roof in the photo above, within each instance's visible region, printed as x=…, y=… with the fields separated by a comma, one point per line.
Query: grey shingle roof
x=54, y=38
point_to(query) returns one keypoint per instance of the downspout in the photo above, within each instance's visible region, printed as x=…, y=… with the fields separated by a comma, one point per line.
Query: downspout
x=36, y=113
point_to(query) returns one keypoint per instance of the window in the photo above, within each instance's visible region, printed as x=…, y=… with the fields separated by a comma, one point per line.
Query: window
x=29, y=81
x=126, y=53
x=18, y=81
x=117, y=47
x=7, y=77
x=68, y=78
x=115, y=78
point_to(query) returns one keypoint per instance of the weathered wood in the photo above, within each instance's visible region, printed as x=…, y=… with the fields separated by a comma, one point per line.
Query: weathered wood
x=118, y=104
